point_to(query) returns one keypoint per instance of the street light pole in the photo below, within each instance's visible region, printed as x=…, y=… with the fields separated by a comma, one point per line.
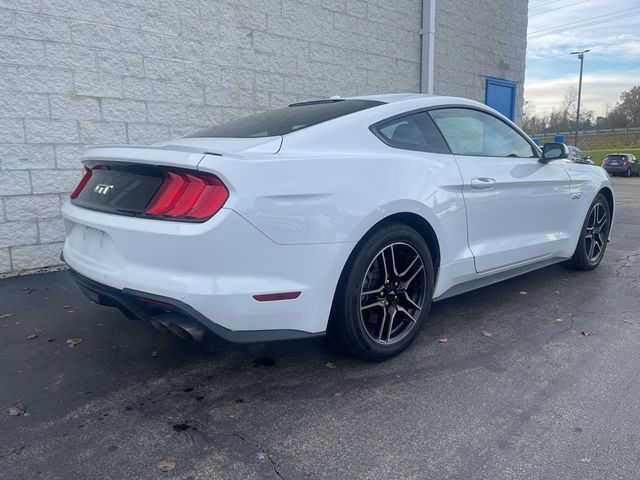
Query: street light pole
x=581, y=57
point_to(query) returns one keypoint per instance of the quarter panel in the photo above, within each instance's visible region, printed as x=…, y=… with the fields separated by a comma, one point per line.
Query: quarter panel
x=331, y=198
x=338, y=198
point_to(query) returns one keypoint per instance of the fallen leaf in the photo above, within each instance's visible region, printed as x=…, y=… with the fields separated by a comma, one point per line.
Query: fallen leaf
x=155, y=354
x=586, y=460
x=338, y=394
x=32, y=336
x=72, y=342
x=523, y=293
x=6, y=315
x=330, y=365
x=166, y=466
x=557, y=292
x=443, y=340
x=558, y=319
x=28, y=290
x=486, y=334
x=51, y=339
x=586, y=333
x=17, y=410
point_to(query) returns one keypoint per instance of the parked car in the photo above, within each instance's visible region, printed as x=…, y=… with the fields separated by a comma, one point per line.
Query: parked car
x=345, y=216
x=578, y=156
x=621, y=164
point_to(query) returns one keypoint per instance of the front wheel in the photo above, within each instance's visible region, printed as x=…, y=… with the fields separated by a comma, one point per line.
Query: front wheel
x=594, y=235
x=384, y=295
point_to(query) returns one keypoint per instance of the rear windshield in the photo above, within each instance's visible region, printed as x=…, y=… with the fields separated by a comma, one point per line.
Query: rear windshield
x=616, y=157
x=286, y=120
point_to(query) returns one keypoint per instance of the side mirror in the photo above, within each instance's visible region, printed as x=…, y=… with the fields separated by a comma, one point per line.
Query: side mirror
x=554, y=151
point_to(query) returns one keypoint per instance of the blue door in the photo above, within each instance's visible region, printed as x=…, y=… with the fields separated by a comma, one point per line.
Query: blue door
x=501, y=96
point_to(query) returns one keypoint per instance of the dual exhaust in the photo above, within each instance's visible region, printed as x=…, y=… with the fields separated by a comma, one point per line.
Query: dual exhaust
x=178, y=325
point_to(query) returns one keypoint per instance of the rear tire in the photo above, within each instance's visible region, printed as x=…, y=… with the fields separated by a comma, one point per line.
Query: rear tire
x=594, y=236
x=384, y=294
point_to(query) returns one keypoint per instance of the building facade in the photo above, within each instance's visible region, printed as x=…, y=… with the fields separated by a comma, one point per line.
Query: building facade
x=75, y=73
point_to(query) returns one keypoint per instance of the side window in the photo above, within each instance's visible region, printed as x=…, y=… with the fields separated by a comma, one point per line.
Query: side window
x=412, y=132
x=472, y=132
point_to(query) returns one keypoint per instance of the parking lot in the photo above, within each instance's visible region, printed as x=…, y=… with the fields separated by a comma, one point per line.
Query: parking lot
x=538, y=380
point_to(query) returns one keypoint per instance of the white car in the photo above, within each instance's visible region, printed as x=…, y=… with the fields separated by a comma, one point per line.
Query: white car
x=345, y=216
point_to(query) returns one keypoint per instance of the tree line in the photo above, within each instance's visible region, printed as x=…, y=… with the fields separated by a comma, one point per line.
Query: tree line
x=625, y=113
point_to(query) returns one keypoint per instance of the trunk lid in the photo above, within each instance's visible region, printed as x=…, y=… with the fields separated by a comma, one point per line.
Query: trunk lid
x=124, y=179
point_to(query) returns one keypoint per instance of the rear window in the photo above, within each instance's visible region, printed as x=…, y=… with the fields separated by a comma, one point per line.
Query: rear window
x=286, y=120
x=616, y=157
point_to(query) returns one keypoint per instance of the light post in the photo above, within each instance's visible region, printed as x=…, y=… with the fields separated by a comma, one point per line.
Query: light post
x=581, y=57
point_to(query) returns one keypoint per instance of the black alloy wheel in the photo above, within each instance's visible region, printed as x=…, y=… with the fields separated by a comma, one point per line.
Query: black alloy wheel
x=384, y=294
x=594, y=235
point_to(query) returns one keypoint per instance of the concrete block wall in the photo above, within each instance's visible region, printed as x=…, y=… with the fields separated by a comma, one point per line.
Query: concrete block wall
x=476, y=40
x=80, y=72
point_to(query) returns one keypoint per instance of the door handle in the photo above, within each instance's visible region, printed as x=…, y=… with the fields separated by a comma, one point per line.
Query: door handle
x=482, y=183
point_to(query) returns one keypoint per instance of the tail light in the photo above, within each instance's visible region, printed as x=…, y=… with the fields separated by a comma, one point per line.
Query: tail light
x=82, y=184
x=188, y=196
x=151, y=192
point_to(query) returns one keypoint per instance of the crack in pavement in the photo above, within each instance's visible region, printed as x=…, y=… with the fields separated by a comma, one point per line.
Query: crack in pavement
x=564, y=330
x=263, y=451
x=626, y=263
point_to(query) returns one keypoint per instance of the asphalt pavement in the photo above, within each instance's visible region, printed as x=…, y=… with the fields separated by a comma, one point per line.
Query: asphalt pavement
x=538, y=379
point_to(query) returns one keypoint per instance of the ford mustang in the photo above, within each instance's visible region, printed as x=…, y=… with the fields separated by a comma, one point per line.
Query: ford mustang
x=345, y=216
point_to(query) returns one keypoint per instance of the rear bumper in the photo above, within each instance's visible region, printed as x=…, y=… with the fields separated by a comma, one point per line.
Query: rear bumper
x=159, y=310
x=210, y=271
x=616, y=169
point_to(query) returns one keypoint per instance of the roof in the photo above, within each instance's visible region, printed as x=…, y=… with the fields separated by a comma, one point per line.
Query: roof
x=390, y=97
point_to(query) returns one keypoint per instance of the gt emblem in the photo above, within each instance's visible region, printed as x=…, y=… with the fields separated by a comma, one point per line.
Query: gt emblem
x=103, y=188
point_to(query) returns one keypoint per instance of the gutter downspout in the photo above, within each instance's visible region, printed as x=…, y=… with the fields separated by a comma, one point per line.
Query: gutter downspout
x=427, y=34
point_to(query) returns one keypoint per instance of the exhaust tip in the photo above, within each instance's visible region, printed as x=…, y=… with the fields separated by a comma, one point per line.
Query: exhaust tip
x=158, y=325
x=177, y=325
x=187, y=331
x=178, y=331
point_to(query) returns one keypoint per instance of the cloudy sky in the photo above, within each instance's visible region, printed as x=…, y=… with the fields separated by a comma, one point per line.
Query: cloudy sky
x=610, y=28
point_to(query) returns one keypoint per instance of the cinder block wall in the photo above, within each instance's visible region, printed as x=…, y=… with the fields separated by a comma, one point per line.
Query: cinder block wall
x=80, y=72
x=476, y=40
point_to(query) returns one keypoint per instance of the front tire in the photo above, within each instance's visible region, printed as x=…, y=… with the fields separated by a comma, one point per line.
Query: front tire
x=594, y=235
x=384, y=294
